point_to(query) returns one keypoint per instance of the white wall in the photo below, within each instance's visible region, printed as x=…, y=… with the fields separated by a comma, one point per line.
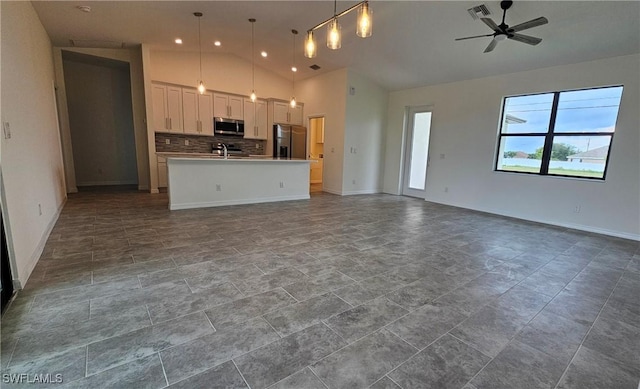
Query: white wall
x=365, y=121
x=101, y=121
x=464, y=128
x=31, y=164
x=326, y=95
x=220, y=72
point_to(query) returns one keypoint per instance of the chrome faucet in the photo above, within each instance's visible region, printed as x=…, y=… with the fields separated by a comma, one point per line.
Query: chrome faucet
x=225, y=150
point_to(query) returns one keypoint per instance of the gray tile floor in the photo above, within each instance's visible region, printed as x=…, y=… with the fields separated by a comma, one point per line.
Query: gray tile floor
x=337, y=292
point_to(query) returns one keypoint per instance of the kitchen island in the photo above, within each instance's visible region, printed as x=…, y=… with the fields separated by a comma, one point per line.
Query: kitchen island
x=200, y=181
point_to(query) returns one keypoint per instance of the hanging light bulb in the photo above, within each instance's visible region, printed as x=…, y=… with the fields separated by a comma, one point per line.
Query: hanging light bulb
x=293, y=73
x=334, y=38
x=310, y=46
x=201, y=87
x=365, y=21
x=253, y=96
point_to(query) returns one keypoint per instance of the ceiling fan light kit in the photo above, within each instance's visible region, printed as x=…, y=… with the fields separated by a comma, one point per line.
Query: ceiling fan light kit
x=503, y=32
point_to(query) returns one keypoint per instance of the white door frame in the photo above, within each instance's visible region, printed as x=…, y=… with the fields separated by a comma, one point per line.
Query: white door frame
x=406, y=163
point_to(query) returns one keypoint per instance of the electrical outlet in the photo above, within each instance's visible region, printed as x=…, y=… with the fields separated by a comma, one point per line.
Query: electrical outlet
x=6, y=127
x=257, y=146
x=353, y=182
x=576, y=209
x=167, y=141
x=186, y=142
x=355, y=151
x=281, y=184
x=40, y=209
x=446, y=189
x=218, y=188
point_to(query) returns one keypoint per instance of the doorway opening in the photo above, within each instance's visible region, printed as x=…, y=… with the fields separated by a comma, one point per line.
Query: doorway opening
x=316, y=152
x=6, y=282
x=100, y=110
x=416, y=151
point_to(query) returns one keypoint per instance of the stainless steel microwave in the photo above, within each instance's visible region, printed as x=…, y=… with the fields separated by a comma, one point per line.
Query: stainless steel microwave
x=224, y=126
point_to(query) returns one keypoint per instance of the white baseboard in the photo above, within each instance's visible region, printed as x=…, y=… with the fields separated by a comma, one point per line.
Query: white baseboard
x=73, y=189
x=156, y=190
x=580, y=227
x=37, y=252
x=332, y=191
x=207, y=204
x=98, y=183
x=360, y=192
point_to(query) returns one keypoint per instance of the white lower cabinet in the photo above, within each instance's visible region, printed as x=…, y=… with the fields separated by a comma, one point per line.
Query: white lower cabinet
x=162, y=172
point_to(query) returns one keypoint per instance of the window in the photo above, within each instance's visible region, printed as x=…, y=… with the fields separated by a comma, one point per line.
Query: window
x=565, y=133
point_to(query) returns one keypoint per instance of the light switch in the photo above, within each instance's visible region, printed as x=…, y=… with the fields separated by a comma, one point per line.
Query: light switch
x=6, y=127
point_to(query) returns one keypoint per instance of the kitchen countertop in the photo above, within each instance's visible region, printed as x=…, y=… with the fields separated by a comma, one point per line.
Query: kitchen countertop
x=214, y=157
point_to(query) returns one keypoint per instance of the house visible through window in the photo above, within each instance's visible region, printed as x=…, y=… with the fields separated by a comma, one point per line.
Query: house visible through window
x=565, y=133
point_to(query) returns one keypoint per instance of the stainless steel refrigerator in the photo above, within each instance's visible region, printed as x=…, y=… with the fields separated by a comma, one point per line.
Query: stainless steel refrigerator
x=289, y=141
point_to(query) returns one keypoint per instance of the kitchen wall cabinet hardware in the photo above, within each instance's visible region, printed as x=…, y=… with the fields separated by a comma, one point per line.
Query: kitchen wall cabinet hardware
x=198, y=112
x=255, y=127
x=283, y=113
x=228, y=106
x=167, y=108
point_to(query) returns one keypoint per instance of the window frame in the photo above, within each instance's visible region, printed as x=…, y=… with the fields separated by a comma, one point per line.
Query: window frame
x=550, y=134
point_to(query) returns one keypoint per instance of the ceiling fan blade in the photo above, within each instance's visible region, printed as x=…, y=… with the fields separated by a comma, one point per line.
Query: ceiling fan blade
x=492, y=25
x=491, y=46
x=530, y=40
x=530, y=24
x=473, y=37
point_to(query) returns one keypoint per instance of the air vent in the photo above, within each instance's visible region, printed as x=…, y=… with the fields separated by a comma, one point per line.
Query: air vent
x=96, y=44
x=479, y=11
x=314, y=67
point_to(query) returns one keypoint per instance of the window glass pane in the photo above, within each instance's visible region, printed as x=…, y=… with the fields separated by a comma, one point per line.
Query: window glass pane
x=521, y=153
x=527, y=114
x=579, y=156
x=593, y=110
x=419, y=150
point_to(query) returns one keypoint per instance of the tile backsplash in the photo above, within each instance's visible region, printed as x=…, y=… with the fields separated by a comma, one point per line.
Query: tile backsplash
x=202, y=144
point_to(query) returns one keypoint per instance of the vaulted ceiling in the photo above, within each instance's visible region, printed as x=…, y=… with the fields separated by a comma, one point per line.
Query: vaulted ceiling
x=412, y=44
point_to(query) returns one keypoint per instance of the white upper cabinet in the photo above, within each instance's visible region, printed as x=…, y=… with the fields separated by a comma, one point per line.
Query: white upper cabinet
x=197, y=108
x=228, y=106
x=167, y=108
x=284, y=114
x=205, y=113
x=255, y=127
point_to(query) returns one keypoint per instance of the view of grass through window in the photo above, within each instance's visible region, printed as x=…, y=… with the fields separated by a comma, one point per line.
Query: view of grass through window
x=560, y=133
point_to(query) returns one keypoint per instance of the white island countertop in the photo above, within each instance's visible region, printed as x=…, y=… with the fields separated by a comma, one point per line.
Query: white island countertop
x=214, y=157
x=208, y=180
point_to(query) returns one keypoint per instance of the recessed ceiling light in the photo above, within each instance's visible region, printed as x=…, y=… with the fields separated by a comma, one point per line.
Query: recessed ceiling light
x=84, y=8
x=217, y=43
x=294, y=69
x=178, y=41
x=264, y=54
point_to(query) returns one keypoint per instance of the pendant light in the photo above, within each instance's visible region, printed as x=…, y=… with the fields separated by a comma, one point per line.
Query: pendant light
x=310, y=45
x=365, y=19
x=334, y=35
x=334, y=31
x=253, y=63
x=201, y=87
x=293, y=71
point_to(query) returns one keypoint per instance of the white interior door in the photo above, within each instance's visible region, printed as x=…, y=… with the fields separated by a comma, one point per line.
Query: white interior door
x=416, y=152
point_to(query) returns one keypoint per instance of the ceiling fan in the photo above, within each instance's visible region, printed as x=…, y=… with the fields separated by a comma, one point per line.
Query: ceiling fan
x=503, y=31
